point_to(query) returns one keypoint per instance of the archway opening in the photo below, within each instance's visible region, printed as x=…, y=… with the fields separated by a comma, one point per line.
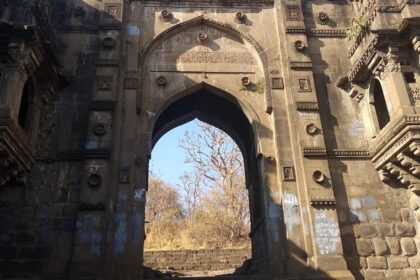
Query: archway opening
x=218, y=112
x=26, y=107
x=381, y=108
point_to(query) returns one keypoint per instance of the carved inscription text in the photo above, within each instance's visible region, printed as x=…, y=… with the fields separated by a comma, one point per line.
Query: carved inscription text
x=216, y=57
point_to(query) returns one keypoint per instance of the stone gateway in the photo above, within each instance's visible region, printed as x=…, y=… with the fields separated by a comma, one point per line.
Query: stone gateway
x=321, y=96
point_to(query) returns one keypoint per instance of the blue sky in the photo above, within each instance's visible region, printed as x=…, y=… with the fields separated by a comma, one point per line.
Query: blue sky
x=168, y=159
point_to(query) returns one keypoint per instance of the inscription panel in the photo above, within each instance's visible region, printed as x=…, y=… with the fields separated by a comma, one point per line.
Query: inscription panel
x=222, y=52
x=195, y=57
x=216, y=57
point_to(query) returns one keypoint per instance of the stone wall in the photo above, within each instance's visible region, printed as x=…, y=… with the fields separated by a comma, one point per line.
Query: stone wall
x=195, y=260
x=331, y=190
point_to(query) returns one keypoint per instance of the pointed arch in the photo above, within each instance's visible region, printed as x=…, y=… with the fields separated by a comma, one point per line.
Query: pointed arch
x=26, y=107
x=247, y=109
x=379, y=104
x=218, y=25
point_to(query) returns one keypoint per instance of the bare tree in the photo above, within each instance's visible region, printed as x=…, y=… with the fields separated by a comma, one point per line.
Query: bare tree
x=215, y=189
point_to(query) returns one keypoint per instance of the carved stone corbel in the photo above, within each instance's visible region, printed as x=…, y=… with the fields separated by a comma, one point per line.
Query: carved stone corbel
x=396, y=157
x=415, y=40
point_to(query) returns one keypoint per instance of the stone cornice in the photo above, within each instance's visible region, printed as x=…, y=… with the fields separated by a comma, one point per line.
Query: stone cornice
x=307, y=106
x=74, y=155
x=387, y=135
x=364, y=59
x=300, y=65
x=320, y=33
x=338, y=154
x=209, y=3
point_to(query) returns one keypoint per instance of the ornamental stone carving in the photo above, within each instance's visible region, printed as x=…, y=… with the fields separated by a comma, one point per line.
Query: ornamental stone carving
x=94, y=180
x=161, y=81
x=240, y=17
x=300, y=45
x=318, y=176
x=323, y=18
x=113, y=10
x=311, y=129
x=165, y=15
x=416, y=43
x=108, y=43
x=100, y=129
x=246, y=81
x=202, y=38
x=104, y=82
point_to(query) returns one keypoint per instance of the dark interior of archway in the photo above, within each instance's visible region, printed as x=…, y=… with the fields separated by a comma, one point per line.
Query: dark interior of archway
x=26, y=105
x=227, y=115
x=380, y=105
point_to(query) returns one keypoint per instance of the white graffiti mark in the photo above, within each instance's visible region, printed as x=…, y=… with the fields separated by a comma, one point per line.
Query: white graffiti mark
x=290, y=198
x=139, y=194
x=291, y=215
x=327, y=233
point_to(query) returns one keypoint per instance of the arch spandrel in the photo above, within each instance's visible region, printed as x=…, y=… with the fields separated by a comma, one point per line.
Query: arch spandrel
x=222, y=61
x=221, y=53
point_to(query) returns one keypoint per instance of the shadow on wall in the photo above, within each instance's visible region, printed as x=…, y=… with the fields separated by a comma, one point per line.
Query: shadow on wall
x=38, y=221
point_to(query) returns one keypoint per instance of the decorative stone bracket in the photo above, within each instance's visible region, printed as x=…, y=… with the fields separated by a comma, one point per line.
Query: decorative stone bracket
x=323, y=201
x=25, y=51
x=16, y=152
x=396, y=156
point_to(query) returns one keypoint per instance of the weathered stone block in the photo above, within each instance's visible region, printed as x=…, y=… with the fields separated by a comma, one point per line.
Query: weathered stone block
x=24, y=238
x=65, y=224
x=364, y=247
x=393, y=245
x=22, y=225
x=363, y=263
x=405, y=230
x=368, y=201
x=6, y=238
x=397, y=262
x=7, y=252
x=355, y=203
x=405, y=214
x=374, y=215
x=33, y=253
x=390, y=215
x=409, y=274
x=414, y=261
x=358, y=216
x=380, y=246
x=385, y=230
x=9, y=267
x=30, y=267
x=367, y=230
x=393, y=274
x=408, y=246
x=374, y=275
x=377, y=262
x=69, y=210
